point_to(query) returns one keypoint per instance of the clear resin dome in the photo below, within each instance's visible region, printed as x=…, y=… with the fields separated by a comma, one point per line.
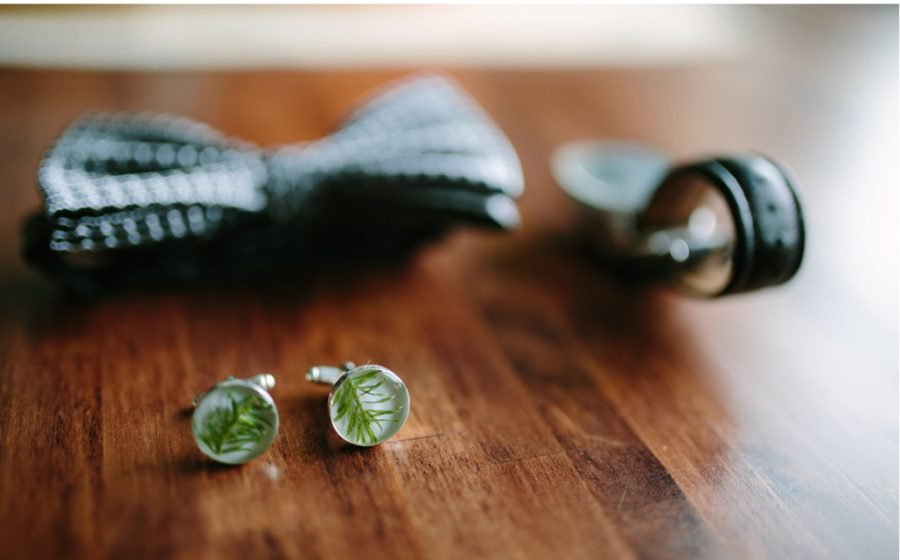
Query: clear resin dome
x=368, y=405
x=235, y=421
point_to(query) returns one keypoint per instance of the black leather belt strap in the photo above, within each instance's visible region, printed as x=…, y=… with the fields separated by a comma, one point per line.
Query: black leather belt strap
x=767, y=214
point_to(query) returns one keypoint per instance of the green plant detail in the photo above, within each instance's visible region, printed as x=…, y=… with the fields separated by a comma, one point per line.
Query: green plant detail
x=239, y=427
x=354, y=400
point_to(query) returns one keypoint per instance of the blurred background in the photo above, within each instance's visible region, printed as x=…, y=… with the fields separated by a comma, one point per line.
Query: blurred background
x=178, y=37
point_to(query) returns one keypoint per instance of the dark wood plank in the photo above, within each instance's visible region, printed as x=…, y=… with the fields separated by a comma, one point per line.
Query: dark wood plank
x=557, y=411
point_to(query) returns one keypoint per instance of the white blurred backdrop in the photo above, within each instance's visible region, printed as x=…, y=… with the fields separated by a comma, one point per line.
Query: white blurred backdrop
x=225, y=37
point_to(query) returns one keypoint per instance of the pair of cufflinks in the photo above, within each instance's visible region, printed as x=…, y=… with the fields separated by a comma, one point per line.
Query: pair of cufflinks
x=237, y=419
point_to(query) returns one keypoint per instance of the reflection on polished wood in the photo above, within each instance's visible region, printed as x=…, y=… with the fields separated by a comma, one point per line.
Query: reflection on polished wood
x=556, y=411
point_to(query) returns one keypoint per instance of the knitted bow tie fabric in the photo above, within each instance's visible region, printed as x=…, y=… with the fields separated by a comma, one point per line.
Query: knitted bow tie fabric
x=418, y=152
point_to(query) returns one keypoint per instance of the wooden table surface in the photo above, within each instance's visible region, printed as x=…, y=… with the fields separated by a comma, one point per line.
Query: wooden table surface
x=556, y=410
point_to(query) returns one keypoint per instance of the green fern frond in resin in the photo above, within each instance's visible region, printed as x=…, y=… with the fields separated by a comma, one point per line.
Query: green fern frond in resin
x=355, y=399
x=239, y=427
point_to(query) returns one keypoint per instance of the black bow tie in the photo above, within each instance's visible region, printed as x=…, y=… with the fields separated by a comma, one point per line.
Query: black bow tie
x=415, y=159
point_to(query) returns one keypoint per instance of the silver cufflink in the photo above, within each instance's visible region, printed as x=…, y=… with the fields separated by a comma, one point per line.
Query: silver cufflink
x=368, y=404
x=236, y=420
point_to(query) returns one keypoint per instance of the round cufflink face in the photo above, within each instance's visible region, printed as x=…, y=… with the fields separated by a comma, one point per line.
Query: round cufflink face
x=235, y=421
x=368, y=405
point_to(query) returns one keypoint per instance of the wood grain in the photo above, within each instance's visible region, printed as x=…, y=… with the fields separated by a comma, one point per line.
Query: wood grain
x=557, y=411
